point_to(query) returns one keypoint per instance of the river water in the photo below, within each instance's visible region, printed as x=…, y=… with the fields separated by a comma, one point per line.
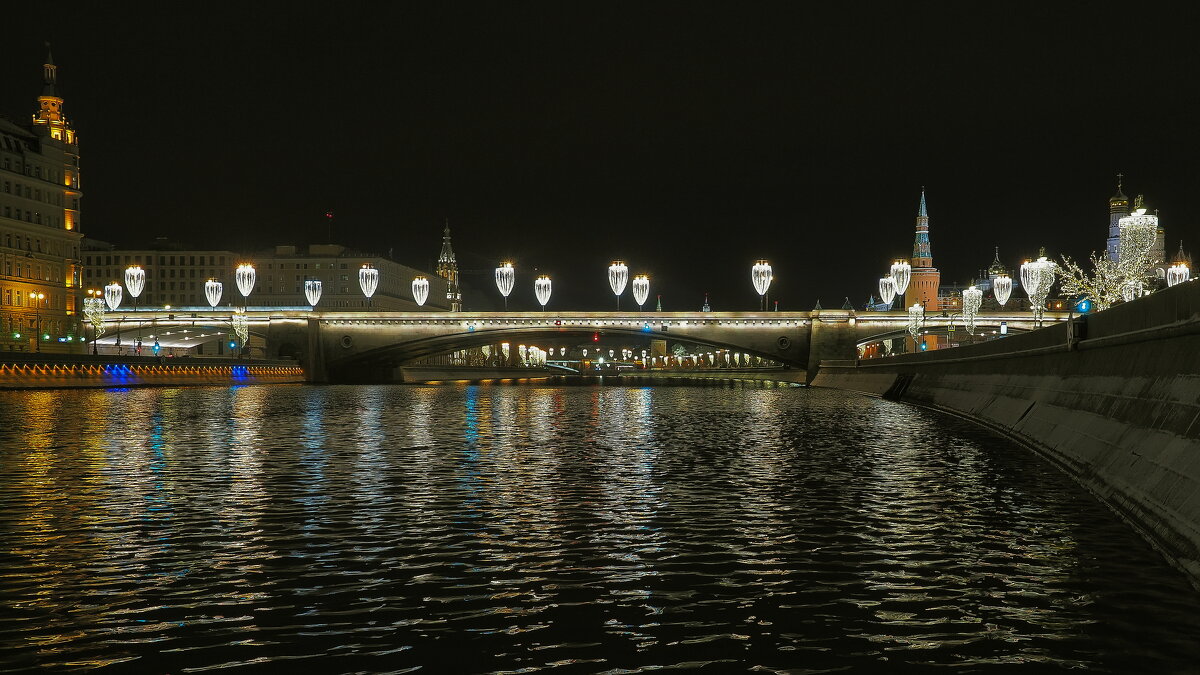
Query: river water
x=566, y=529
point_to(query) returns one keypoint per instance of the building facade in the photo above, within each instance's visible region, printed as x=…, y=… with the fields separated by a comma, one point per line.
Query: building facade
x=40, y=229
x=926, y=279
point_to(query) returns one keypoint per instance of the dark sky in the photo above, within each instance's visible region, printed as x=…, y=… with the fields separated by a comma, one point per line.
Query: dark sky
x=685, y=138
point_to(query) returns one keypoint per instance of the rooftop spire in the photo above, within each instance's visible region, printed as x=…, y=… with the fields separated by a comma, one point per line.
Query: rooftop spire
x=447, y=255
x=922, y=212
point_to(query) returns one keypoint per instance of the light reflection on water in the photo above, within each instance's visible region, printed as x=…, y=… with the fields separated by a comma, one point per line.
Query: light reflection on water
x=529, y=528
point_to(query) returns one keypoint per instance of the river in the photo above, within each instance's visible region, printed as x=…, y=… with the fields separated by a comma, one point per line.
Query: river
x=567, y=529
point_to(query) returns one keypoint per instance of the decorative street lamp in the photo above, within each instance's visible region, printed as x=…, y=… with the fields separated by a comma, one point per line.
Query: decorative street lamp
x=420, y=290
x=1178, y=273
x=37, y=312
x=213, y=290
x=618, y=276
x=245, y=281
x=887, y=290
x=112, y=298
x=760, y=275
x=1130, y=290
x=135, y=281
x=972, y=299
x=641, y=289
x=368, y=280
x=505, y=276
x=901, y=275
x=1037, y=277
x=541, y=288
x=312, y=291
x=1002, y=287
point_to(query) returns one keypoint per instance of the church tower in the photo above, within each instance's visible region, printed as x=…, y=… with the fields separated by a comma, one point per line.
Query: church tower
x=447, y=267
x=1118, y=208
x=923, y=286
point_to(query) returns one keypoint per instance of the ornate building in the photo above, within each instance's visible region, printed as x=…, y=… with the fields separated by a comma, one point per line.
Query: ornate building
x=40, y=236
x=923, y=286
x=447, y=268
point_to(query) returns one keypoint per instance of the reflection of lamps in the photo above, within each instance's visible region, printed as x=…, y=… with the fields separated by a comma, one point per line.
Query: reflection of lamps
x=312, y=291
x=505, y=276
x=618, y=276
x=541, y=288
x=368, y=281
x=420, y=290
x=760, y=276
x=37, y=313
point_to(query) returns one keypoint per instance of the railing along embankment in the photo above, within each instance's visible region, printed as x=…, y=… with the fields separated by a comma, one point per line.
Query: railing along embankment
x=1113, y=398
x=34, y=371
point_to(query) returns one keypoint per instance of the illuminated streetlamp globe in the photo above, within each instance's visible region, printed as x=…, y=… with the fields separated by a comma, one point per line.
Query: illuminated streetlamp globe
x=761, y=277
x=641, y=289
x=1178, y=273
x=312, y=291
x=1002, y=287
x=505, y=276
x=887, y=290
x=618, y=276
x=112, y=296
x=135, y=281
x=901, y=275
x=368, y=280
x=244, y=275
x=420, y=290
x=213, y=290
x=541, y=288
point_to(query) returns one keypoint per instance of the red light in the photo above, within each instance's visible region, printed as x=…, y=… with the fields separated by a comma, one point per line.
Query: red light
x=595, y=337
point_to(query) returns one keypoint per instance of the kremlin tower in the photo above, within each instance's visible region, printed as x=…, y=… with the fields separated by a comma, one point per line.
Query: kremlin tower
x=923, y=286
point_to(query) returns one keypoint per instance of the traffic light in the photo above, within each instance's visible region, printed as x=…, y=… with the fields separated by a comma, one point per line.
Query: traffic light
x=595, y=337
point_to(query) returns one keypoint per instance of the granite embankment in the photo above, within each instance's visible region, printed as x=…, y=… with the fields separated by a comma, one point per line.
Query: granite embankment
x=1113, y=398
x=48, y=371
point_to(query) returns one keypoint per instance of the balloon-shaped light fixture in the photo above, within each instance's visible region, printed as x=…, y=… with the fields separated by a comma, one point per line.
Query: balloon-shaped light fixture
x=112, y=296
x=1002, y=287
x=618, y=276
x=420, y=290
x=760, y=275
x=1038, y=277
x=901, y=275
x=244, y=275
x=135, y=281
x=541, y=288
x=641, y=289
x=972, y=298
x=505, y=276
x=312, y=291
x=213, y=290
x=887, y=290
x=1178, y=273
x=368, y=281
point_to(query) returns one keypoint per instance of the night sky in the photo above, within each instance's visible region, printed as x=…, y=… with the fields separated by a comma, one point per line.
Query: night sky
x=686, y=139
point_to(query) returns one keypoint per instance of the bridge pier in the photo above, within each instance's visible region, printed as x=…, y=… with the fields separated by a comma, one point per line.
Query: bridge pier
x=832, y=337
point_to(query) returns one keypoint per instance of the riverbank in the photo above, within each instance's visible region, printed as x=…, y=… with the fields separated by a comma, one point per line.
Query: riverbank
x=1113, y=399
x=63, y=371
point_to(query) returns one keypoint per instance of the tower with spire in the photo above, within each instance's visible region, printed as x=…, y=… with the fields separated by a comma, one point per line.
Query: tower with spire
x=447, y=267
x=1118, y=208
x=926, y=279
x=40, y=226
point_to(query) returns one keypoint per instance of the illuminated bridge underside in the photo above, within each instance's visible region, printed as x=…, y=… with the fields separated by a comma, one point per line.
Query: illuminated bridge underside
x=333, y=342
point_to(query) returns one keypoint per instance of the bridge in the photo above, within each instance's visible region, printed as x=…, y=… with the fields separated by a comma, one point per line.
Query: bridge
x=372, y=346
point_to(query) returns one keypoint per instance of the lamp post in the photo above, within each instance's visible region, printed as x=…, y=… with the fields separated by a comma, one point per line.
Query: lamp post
x=368, y=281
x=1178, y=273
x=112, y=298
x=93, y=310
x=901, y=273
x=760, y=275
x=505, y=276
x=312, y=291
x=213, y=290
x=972, y=298
x=618, y=276
x=641, y=290
x=244, y=275
x=887, y=290
x=135, y=281
x=420, y=290
x=37, y=313
x=541, y=289
x=1002, y=287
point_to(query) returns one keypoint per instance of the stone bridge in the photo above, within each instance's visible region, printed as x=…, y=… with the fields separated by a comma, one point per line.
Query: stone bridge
x=371, y=346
